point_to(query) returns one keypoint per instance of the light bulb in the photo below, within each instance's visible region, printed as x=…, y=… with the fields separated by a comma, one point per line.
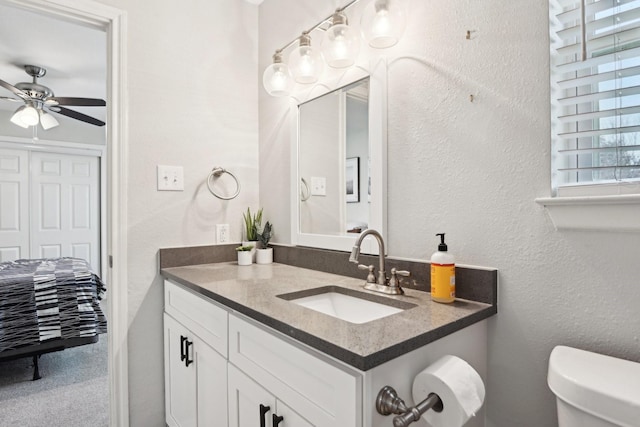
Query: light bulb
x=382, y=23
x=341, y=42
x=276, y=79
x=47, y=121
x=305, y=61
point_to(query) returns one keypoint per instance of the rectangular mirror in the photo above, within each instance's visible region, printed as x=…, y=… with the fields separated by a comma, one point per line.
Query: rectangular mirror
x=340, y=163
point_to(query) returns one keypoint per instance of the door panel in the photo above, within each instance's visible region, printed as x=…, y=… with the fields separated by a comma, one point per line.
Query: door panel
x=65, y=203
x=14, y=204
x=180, y=404
x=245, y=398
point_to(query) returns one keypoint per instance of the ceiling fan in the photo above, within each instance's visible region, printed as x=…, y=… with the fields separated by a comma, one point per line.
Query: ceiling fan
x=39, y=101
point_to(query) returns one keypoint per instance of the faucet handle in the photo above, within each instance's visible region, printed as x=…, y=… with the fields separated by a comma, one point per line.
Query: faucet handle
x=371, y=277
x=404, y=273
x=394, y=281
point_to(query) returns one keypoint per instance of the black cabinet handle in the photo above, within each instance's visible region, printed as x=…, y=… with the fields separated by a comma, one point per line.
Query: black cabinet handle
x=263, y=411
x=276, y=419
x=186, y=351
x=182, y=355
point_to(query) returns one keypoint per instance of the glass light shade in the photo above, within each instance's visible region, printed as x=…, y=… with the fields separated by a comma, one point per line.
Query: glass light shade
x=382, y=23
x=341, y=46
x=277, y=80
x=16, y=118
x=25, y=116
x=47, y=121
x=306, y=62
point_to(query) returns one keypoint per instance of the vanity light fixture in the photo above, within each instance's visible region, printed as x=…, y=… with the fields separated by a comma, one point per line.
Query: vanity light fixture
x=305, y=61
x=341, y=42
x=382, y=25
x=277, y=79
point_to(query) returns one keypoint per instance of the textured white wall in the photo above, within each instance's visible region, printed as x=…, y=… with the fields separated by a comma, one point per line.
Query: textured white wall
x=473, y=170
x=192, y=101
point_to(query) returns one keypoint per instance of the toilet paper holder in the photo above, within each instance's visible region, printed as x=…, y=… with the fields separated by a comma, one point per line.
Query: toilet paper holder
x=388, y=402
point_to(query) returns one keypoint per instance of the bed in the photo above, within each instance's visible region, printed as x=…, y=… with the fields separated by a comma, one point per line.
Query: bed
x=48, y=305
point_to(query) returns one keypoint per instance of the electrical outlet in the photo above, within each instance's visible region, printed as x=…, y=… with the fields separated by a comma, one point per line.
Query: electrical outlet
x=318, y=186
x=222, y=233
x=170, y=178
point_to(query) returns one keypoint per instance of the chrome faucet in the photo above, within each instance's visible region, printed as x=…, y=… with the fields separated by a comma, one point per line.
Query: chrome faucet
x=382, y=284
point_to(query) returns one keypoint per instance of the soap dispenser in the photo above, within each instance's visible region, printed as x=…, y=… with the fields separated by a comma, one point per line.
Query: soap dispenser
x=443, y=274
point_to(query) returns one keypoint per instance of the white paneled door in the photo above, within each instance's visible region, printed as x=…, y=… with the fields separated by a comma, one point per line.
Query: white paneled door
x=62, y=207
x=14, y=204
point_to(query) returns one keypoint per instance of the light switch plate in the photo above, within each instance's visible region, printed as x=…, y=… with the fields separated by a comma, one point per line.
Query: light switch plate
x=170, y=178
x=318, y=186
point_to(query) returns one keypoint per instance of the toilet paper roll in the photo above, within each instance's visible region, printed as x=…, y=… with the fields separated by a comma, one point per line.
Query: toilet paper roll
x=459, y=386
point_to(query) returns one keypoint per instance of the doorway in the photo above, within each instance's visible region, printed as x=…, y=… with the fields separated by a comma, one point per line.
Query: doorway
x=113, y=22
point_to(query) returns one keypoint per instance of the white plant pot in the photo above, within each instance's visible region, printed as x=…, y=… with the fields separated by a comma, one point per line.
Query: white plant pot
x=264, y=256
x=253, y=243
x=244, y=258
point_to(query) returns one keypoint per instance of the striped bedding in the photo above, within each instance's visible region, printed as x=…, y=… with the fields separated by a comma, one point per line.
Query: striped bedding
x=47, y=299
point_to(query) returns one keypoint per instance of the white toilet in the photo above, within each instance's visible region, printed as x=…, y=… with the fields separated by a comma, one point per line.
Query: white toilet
x=593, y=390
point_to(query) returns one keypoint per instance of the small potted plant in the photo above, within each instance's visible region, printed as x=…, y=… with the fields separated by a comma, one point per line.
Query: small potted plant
x=244, y=254
x=264, y=254
x=251, y=225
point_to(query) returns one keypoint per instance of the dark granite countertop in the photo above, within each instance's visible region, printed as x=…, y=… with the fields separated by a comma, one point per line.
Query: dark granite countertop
x=253, y=291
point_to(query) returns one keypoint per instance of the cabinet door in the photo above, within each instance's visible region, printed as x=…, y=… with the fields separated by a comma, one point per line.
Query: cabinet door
x=245, y=400
x=180, y=380
x=211, y=381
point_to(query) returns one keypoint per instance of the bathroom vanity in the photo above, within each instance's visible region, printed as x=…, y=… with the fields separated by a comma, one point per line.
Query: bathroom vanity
x=241, y=348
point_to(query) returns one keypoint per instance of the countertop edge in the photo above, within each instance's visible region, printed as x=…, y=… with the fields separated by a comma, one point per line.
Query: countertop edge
x=363, y=363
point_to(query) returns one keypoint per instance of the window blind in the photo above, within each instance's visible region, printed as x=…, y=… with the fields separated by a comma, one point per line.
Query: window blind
x=595, y=91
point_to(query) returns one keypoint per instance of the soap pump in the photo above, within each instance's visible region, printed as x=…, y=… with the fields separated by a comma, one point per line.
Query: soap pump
x=443, y=274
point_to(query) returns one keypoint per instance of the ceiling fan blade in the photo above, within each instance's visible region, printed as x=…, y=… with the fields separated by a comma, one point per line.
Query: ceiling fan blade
x=80, y=102
x=15, y=90
x=7, y=98
x=76, y=115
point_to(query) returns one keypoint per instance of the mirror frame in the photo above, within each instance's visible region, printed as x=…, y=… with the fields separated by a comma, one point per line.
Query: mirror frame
x=378, y=151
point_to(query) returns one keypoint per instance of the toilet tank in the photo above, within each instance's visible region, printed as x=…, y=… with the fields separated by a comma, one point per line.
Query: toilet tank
x=593, y=389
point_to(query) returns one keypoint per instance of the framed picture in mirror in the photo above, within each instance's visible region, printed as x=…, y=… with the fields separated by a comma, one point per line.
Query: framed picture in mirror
x=352, y=175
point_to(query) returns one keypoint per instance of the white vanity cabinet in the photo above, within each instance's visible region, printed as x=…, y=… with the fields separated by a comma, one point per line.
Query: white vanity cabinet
x=246, y=374
x=262, y=368
x=195, y=348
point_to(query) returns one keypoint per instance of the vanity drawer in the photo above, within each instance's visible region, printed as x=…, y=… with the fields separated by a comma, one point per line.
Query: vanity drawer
x=200, y=315
x=323, y=392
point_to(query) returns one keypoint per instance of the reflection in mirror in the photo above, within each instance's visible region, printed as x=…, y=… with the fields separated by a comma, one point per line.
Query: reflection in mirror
x=338, y=178
x=334, y=161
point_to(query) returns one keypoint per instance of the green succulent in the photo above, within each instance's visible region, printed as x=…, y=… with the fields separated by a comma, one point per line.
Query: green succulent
x=265, y=235
x=251, y=224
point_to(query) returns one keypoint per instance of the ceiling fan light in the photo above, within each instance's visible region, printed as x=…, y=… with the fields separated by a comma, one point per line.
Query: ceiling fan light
x=16, y=119
x=47, y=121
x=29, y=116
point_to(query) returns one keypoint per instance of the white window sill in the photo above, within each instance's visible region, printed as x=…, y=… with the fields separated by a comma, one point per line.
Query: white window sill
x=603, y=213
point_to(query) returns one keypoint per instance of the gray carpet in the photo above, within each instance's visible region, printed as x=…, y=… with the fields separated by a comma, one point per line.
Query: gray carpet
x=73, y=390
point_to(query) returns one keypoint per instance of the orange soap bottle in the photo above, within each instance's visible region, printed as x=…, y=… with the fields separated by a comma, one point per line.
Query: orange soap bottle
x=443, y=274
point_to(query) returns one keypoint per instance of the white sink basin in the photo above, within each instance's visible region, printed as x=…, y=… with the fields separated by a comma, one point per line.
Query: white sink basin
x=346, y=304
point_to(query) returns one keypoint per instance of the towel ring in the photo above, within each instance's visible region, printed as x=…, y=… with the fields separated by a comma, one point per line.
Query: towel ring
x=304, y=198
x=216, y=172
